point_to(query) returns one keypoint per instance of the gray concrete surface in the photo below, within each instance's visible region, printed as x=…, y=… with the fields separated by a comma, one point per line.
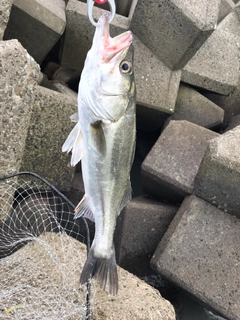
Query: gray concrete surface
x=200, y=252
x=170, y=168
x=37, y=24
x=5, y=8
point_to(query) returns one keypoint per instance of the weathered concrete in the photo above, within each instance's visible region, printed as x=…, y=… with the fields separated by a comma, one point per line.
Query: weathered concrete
x=215, y=66
x=37, y=24
x=218, y=178
x=157, y=84
x=49, y=128
x=212, y=68
x=5, y=8
x=174, y=30
x=195, y=108
x=200, y=252
x=225, y=8
x=170, y=168
x=149, y=219
x=45, y=274
x=19, y=77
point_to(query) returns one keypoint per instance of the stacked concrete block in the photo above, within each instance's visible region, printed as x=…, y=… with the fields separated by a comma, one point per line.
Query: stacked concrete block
x=200, y=252
x=218, y=178
x=49, y=127
x=169, y=170
x=5, y=8
x=194, y=107
x=225, y=8
x=149, y=219
x=174, y=30
x=19, y=77
x=37, y=24
x=150, y=72
x=215, y=66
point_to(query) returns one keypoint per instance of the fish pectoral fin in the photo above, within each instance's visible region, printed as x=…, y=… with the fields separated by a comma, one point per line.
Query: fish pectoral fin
x=74, y=142
x=97, y=136
x=83, y=210
x=74, y=117
x=127, y=197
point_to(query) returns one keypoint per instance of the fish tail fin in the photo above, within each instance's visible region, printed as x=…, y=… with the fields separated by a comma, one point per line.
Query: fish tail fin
x=74, y=143
x=102, y=269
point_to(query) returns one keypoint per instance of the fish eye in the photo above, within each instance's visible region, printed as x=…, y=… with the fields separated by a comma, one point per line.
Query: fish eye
x=126, y=67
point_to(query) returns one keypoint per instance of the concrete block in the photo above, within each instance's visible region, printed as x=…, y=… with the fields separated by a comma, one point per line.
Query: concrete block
x=49, y=128
x=19, y=77
x=200, y=253
x=174, y=30
x=225, y=8
x=157, y=85
x=149, y=219
x=37, y=24
x=215, y=66
x=194, y=107
x=218, y=178
x=5, y=8
x=169, y=170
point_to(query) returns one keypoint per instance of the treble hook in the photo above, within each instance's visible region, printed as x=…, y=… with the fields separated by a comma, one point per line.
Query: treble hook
x=90, y=4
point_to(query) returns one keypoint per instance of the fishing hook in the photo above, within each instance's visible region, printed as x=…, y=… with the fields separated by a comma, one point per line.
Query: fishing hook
x=90, y=4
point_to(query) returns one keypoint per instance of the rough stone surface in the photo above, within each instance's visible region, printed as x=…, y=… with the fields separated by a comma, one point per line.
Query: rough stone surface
x=225, y=8
x=149, y=219
x=19, y=77
x=218, y=178
x=215, y=66
x=49, y=128
x=170, y=167
x=5, y=8
x=157, y=84
x=200, y=252
x=194, y=107
x=37, y=24
x=45, y=273
x=178, y=27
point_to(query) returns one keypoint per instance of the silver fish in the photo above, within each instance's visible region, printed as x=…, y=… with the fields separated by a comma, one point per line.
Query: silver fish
x=104, y=140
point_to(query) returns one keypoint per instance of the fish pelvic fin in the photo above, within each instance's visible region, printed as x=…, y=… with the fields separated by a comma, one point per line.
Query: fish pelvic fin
x=83, y=210
x=103, y=270
x=74, y=143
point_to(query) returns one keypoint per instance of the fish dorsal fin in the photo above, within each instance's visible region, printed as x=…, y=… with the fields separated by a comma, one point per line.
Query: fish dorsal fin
x=74, y=143
x=97, y=136
x=127, y=197
x=83, y=210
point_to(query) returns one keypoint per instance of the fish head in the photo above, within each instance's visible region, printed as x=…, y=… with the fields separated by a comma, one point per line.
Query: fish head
x=109, y=64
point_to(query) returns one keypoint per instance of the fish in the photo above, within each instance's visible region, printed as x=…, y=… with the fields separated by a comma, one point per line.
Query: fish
x=104, y=140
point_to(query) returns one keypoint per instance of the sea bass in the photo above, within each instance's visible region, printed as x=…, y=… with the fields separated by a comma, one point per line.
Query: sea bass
x=104, y=140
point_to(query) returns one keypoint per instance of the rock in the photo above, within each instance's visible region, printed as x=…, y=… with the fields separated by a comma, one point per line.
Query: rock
x=195, y=108
x=45, y=274
x=175, y=27
x=149, y=219
x=218, y=177
x=49, y=128
x=5, y=8
x=235, y=121
x=215, y=65
x=19, y=77
x=169, y=170
x=200, y=253
x=37, y=24
x=225, y=8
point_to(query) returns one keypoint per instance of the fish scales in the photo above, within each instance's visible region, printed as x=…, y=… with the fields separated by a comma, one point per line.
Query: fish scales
x=104, y=140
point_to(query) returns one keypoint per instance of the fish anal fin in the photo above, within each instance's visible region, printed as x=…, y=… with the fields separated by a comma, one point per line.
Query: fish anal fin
x=98, y=138
x=83, y=210
x=102, y=269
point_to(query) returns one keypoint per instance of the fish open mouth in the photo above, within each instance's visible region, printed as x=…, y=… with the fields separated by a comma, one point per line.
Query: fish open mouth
x=112, y=47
